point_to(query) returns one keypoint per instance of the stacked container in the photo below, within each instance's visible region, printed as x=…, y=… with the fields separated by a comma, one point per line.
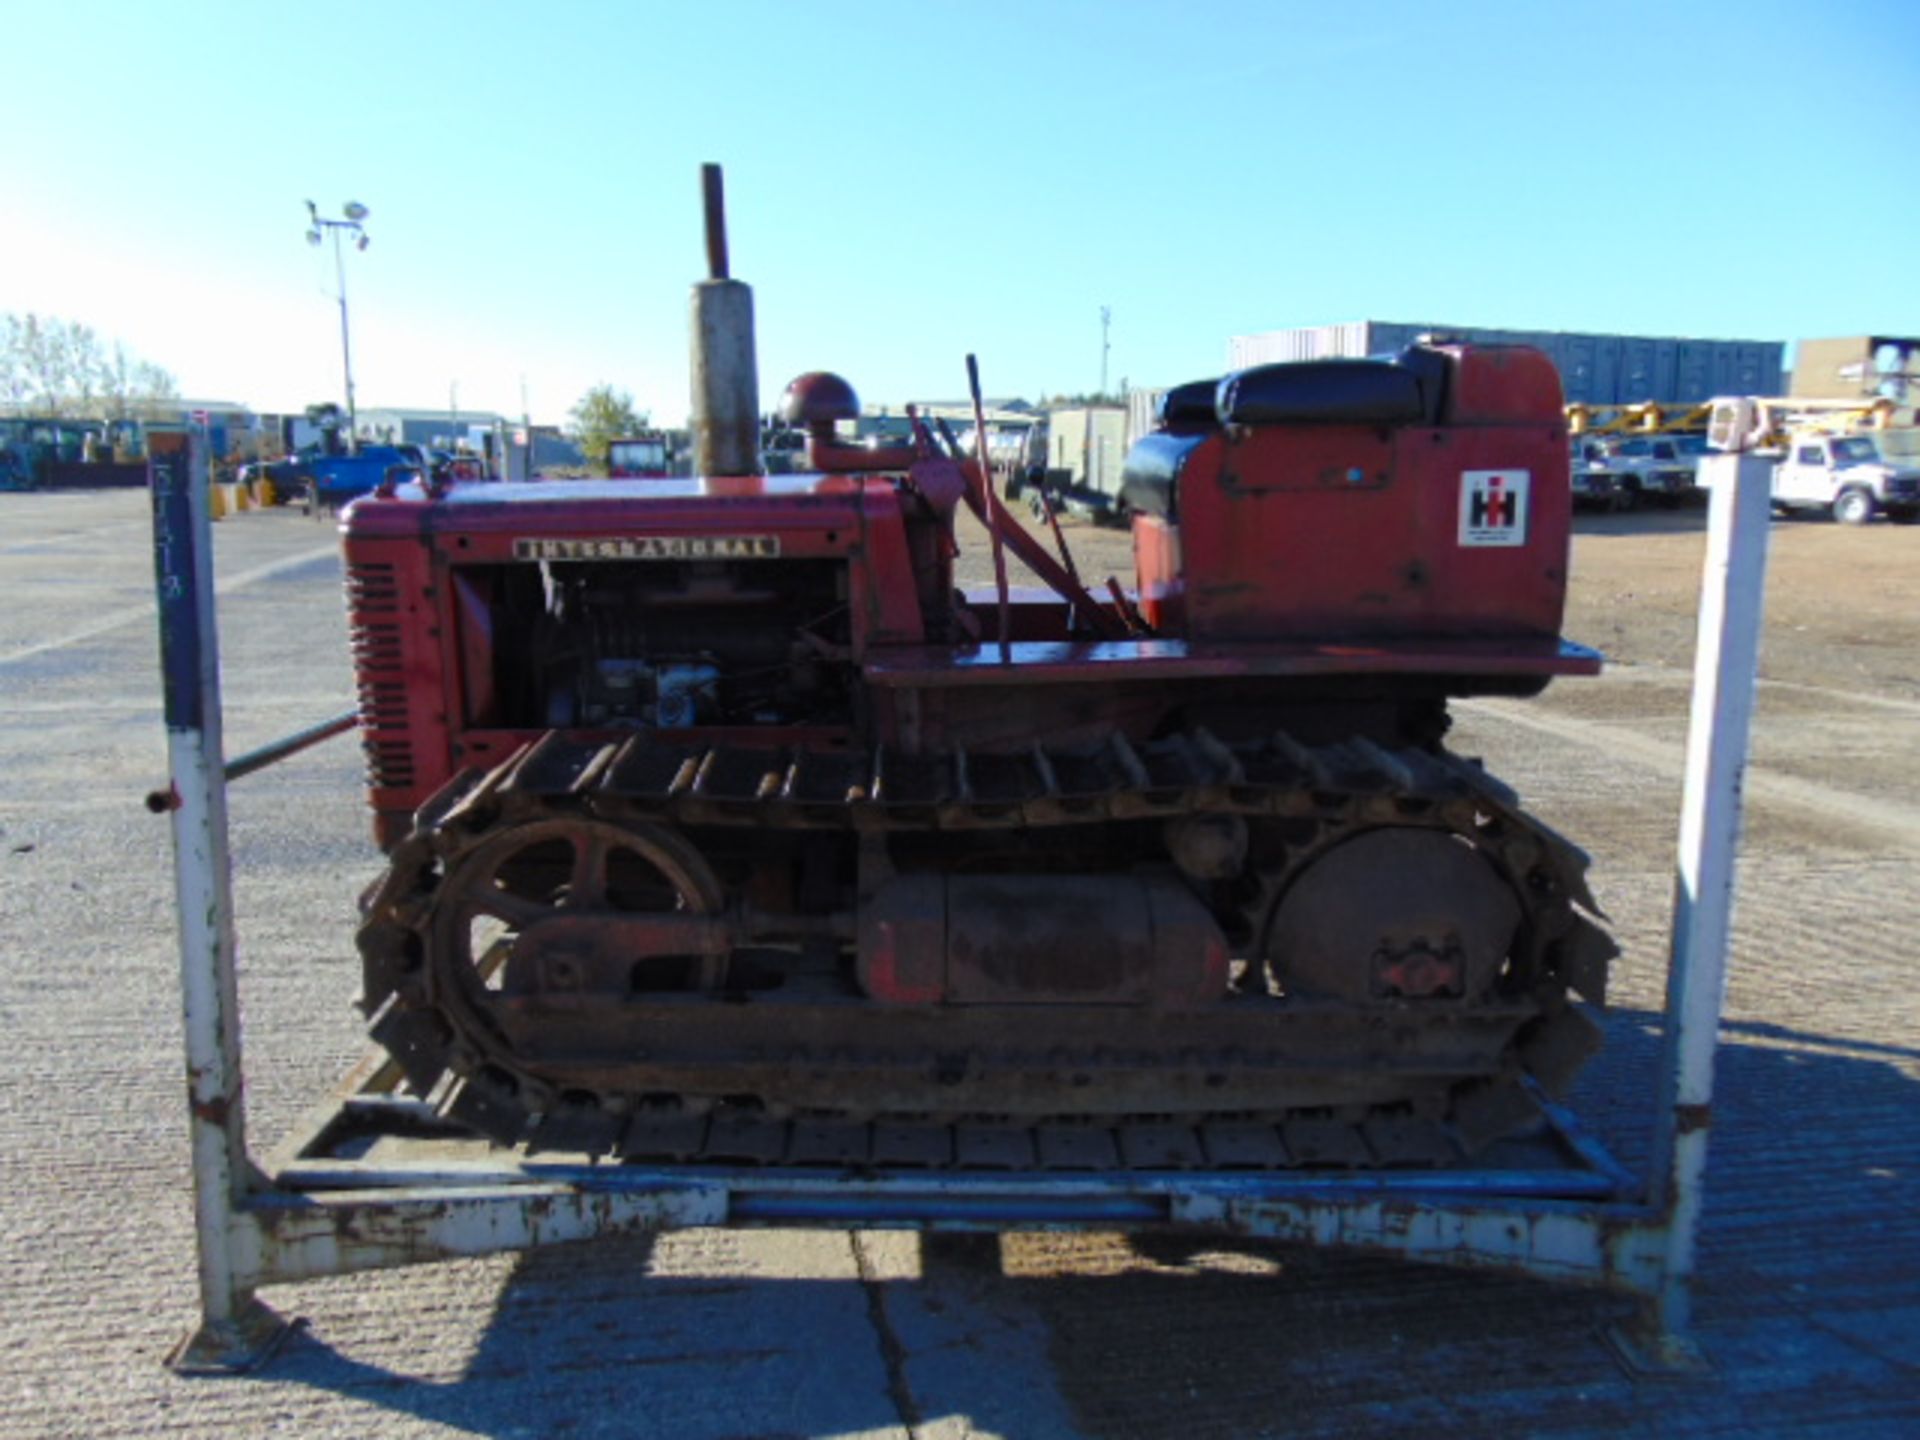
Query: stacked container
x=1594, y=369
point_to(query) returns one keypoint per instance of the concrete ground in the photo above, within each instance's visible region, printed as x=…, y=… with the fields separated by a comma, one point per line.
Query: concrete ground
x=1810, y=1247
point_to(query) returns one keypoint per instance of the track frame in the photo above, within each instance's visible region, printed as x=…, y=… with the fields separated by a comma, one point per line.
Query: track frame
x=371, y=1181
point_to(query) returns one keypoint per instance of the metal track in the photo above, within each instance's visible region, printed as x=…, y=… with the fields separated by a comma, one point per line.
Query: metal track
x=1294, y=1098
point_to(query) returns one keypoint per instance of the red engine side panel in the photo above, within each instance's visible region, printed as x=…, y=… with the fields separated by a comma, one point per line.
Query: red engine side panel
x=1363, y=531
x=1380, y=555
x=421, y=624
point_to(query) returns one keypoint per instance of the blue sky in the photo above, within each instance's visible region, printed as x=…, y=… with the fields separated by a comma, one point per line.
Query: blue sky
x=909, y=183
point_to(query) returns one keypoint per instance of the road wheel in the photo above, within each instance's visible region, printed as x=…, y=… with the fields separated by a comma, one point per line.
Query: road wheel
x=1853, y=506
x=1036, y=506
x=1627, y=497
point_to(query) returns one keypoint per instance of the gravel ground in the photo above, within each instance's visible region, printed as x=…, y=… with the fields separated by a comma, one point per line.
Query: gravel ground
x=1809, y=1251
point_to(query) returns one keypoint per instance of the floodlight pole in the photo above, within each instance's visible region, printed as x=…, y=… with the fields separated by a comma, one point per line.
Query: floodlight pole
x=346, y=343
x=1106, y=319
x=354, y=213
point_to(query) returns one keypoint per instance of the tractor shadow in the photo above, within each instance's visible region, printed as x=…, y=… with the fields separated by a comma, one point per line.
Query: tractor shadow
x=1690, y=517
x=1809, y=1256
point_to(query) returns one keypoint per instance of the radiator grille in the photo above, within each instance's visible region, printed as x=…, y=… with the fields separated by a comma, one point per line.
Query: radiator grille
x=379, y=667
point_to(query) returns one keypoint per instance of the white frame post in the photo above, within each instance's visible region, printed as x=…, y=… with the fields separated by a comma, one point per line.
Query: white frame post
x=235, y=1328
x=1725, y=671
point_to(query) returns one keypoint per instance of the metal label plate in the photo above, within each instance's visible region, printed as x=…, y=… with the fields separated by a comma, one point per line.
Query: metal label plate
x=652, y=547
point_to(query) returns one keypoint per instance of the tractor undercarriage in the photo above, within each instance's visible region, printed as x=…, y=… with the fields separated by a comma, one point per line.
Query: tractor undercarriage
x=1178, y=952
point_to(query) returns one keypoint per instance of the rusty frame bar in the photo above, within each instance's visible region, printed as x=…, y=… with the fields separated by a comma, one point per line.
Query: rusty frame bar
x=1556, y=1207
x=301, y=1221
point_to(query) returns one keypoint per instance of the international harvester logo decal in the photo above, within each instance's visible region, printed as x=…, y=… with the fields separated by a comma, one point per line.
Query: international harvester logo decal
x=1493, y=507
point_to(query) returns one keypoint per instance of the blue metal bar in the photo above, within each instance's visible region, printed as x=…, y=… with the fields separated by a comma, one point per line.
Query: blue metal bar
x=161, y=801
x=852, y=1207
x=278, y=750
x=1545, y=1183
x=1585, y=1147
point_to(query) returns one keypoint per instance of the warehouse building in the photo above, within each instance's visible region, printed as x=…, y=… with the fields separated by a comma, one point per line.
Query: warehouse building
x=1858, y=367
x=440, y=429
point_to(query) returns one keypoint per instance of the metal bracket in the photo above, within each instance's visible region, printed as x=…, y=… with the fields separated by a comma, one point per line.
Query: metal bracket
x=234, y=1346
x=1646, y=1350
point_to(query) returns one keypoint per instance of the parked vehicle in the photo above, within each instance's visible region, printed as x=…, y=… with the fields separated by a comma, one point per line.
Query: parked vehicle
x=1594, y=486
x=783, y=452
x=459, y=468
x=1649, y=467
x=1849, y=477
x=639, y=456
x=333, y=481
x=1078, y=457
x=288, y=475
x=1016, y=457
x=319, y=479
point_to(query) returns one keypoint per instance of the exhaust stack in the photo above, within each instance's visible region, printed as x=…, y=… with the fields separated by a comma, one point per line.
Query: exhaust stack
x=726, y=382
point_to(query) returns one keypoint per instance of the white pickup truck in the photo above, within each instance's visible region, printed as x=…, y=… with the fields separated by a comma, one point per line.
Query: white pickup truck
x=1644, y=467
x=1847, y=476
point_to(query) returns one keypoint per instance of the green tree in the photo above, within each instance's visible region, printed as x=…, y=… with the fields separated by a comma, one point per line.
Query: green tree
x=61, y=367
x=602, y=416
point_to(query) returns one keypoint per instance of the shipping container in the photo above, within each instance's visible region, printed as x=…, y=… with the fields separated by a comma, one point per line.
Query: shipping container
x=1727, y=373
x=1606, y=372
x=1695, y=372
x=1756, y=370
x=1085, y=448
x=1577, y=359
x=1636, y=365
x=1595, y=369
x=1666, y=370
x=1143, y=413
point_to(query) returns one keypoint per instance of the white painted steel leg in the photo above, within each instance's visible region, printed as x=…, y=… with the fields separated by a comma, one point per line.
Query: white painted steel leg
x=235, y=1328
x=1726, y=665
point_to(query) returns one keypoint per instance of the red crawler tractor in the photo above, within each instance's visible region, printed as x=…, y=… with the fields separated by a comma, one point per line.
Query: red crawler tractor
x=723, y=829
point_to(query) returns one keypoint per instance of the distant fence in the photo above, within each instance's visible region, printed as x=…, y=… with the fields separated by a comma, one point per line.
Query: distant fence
x=76, y=475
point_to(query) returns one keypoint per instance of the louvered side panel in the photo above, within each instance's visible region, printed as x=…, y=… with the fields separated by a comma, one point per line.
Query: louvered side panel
x=399, y=677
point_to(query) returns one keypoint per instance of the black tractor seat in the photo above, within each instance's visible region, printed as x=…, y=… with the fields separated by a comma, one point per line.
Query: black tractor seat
x=1405, y=389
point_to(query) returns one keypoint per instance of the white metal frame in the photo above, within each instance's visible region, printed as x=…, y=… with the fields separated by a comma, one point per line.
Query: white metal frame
x=1583, y=1222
